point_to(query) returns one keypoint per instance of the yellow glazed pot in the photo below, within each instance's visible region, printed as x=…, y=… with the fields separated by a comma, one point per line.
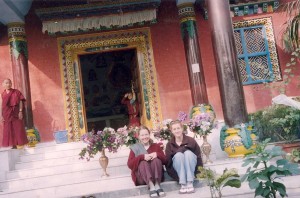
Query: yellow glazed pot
x=233, y=144
x=32, y=141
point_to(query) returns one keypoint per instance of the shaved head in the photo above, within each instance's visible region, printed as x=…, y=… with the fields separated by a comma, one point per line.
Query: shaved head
x=7, y=84
x=6, y=79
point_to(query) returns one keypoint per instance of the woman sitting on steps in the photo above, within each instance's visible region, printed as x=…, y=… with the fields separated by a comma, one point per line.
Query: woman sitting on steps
x=183, y=156
x=146, y=160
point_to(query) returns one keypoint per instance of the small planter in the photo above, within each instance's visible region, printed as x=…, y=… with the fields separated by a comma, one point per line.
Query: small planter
x=32, y=139
x=288, y=147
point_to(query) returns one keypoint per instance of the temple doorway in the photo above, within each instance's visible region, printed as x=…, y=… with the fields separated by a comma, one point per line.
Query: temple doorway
x=106, y=78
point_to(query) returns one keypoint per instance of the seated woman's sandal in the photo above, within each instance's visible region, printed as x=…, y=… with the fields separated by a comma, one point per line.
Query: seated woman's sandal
x=183, y=190
x=161, y=192
x=153, y=193
x=190, y=190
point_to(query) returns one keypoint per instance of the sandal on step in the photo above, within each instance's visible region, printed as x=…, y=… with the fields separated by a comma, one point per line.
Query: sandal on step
x=153, y=193
x=161, y=192
x=183, y=190
x=190, y=190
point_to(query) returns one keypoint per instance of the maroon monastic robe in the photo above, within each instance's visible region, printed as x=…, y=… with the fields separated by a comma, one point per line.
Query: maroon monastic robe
x=133, y=111
x=13, y=128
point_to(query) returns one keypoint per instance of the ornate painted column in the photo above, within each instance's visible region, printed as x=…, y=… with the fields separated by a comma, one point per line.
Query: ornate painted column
x=191, y=45
x=19, y=58
x=236, y=137
x=231, y=88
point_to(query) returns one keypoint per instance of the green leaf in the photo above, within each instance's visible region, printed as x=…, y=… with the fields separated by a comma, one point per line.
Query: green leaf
x=236, y=183
x=247, y=162
x=263, y=177
x=266, y=192
x=253, y=184
x=293, y=168
x=256, y=164
x=272, y=168
x=280, y=188
x=244, y=177
x=259, y=190
x=281, y=162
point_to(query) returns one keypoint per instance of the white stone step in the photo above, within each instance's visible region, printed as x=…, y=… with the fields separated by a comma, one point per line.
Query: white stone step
x=60, y=179
x=75, y=188
x=52, y=146
x=111, y=187
x=228, y=163
x=113, y=167
x=65, y=161
x=27, y=157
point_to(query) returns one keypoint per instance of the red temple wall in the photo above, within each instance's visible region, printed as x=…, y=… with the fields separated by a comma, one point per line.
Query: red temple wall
x=169, y=56
x=44, y=74
x=172, y=69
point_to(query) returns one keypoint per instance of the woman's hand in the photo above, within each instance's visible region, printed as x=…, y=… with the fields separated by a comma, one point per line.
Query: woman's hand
x=153, y=155
x=20, y=115
x=1, y=119
x=147, y=157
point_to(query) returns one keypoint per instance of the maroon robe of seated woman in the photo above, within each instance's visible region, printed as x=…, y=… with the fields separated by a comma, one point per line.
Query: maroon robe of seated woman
x=13, y=127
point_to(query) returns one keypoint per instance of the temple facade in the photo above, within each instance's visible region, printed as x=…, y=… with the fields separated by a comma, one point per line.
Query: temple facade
x=75, y=60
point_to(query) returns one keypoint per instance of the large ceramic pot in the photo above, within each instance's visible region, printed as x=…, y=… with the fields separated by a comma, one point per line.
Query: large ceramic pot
x=233, y=144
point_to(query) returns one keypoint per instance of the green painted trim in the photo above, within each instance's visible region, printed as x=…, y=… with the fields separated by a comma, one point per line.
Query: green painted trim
x=18, y=47
x=188, y=27
x=96, y=49
x=244, y=7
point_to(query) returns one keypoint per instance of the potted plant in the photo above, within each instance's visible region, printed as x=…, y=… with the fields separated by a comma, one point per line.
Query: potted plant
x=263, y=176
x=106, y=139
x=279, y=122
x=217, y=182
x=294, y=156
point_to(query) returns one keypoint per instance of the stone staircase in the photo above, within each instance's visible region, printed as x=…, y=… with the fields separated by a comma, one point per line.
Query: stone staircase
x=54, y=170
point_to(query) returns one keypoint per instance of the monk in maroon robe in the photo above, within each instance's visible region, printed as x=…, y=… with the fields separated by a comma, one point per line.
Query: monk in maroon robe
x=129, y=100
x=12, y=103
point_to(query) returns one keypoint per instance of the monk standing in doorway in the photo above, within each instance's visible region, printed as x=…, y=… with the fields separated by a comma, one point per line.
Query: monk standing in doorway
x=129, y=100
x=11, y=113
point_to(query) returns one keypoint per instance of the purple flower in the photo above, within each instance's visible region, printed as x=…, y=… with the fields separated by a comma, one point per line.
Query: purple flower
x=182, y=116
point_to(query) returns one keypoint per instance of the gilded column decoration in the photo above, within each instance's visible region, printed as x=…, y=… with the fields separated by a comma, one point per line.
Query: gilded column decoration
x=193, y=58
x=19, y=58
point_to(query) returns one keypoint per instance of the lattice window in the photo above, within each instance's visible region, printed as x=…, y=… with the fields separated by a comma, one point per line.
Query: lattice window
x=253, y=55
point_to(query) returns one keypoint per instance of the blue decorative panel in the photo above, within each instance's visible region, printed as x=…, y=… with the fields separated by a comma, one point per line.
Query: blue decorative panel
x=256, y=49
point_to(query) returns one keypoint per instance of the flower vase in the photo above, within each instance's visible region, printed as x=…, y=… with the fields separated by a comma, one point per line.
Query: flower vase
x=103, y=160
x=206, y=148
